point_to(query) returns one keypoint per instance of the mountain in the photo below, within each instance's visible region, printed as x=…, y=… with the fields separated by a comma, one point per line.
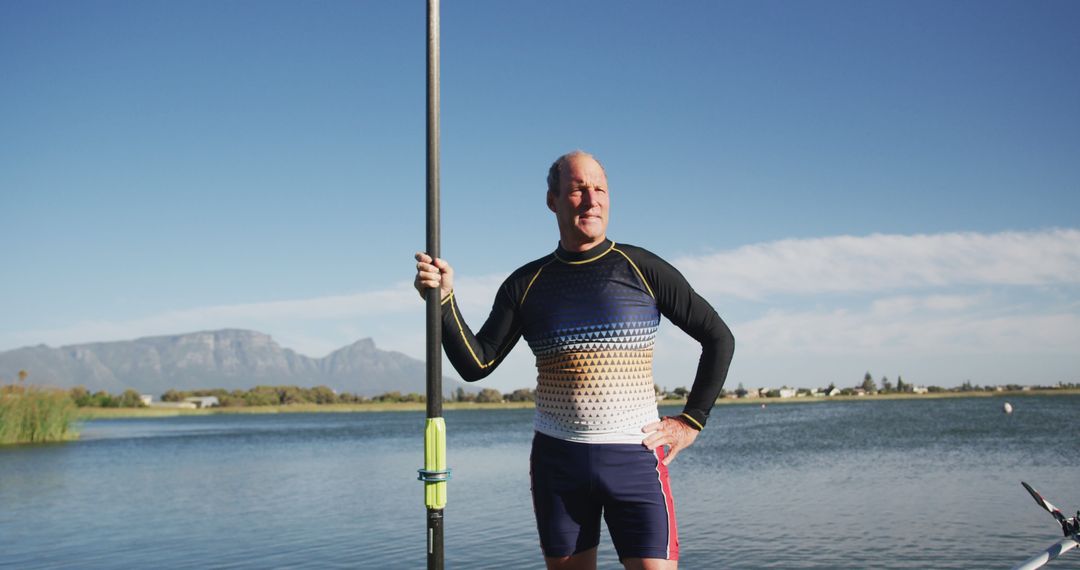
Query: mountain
x=230, y=358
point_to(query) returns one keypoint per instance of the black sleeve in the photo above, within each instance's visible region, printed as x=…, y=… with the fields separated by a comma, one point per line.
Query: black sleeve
x=476, y=356
x=691, y=313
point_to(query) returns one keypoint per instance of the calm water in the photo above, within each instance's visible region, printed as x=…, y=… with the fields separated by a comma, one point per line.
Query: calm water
x=886, y=484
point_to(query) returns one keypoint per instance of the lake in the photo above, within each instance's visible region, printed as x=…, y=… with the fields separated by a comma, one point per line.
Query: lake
x=874, y=484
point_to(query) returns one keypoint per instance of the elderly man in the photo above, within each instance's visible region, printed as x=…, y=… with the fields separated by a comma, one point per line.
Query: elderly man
x=590, y=311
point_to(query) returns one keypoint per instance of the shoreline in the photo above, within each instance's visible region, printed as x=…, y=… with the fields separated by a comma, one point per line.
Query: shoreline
x=87, y=414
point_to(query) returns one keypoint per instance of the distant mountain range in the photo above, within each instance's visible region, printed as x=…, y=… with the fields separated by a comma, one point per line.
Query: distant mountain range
x=230, y=358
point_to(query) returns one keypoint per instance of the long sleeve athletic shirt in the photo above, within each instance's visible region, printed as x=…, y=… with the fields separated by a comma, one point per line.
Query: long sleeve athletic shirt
x=590, y=319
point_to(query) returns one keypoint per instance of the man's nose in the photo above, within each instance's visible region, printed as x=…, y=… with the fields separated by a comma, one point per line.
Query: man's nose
x=588, y=197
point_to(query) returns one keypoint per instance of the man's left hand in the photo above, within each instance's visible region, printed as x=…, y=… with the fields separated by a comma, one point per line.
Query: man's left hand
x=670, y=432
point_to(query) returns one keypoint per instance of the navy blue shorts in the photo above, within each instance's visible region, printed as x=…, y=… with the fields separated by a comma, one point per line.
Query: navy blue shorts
x=574, y=483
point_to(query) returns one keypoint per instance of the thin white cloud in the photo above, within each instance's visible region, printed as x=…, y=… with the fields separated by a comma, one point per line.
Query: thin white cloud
x=914, y=330
x=936, y=339
x=879, y=262
x=902, y=305
x=241, y=315
x=290, y=317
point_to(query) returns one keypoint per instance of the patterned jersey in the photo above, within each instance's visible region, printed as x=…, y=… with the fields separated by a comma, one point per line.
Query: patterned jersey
x=590, y=319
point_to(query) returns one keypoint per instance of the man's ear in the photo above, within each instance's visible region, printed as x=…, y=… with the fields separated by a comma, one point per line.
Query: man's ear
x=551, y=201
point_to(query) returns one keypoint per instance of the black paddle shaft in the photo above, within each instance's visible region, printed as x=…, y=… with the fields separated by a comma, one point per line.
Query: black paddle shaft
x=434, y=309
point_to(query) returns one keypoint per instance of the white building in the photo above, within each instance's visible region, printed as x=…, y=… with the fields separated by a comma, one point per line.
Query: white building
x=203, y=401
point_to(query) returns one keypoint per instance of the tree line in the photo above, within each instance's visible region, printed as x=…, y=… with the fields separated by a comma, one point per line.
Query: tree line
x=886, y=386
x=319, y=395
x=287, y=395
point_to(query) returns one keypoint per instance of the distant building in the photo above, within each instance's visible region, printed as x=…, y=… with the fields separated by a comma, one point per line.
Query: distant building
x=788, y=392
x=919, y=390
x=834, y=392
x=146, y=399
x=203, y=401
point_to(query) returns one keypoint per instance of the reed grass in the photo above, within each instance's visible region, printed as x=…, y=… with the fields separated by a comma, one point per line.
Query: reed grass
x=30, y=414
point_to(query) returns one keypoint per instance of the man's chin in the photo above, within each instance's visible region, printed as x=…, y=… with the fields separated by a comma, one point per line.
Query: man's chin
x=591, y=229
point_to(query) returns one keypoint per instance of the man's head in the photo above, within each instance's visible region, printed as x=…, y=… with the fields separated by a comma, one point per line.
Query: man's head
x=578, y=195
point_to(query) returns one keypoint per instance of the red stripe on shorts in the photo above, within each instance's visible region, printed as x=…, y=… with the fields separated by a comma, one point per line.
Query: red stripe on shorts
x=669, y=503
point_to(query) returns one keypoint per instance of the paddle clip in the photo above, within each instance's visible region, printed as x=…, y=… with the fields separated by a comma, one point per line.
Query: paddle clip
x=434, y=476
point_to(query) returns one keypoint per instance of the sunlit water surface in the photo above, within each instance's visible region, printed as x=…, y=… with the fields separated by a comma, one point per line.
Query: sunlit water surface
x=875, y=484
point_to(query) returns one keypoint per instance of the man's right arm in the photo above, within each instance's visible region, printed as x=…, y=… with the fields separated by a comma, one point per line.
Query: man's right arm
x=474, y=356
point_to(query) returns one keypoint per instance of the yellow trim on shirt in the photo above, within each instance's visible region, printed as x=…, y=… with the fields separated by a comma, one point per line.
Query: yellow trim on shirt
x=590, y=260
x=533, y=280
x=465, y=339
x=692, y=420
x=638, y=271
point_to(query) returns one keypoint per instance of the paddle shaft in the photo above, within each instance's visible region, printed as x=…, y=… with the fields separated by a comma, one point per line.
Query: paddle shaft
x=434, y=446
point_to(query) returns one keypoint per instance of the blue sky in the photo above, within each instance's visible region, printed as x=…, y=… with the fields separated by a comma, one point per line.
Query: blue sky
x=883, y=186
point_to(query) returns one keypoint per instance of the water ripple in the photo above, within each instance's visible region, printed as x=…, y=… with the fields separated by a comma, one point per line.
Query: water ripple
x=876, y=484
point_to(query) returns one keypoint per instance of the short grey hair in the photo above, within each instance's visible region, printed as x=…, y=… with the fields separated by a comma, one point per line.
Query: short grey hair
x=554, y=177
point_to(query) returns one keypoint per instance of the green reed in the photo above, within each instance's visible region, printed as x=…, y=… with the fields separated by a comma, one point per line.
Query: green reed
x=29, y=414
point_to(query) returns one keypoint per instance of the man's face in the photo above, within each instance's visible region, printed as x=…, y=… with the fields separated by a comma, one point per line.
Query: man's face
x=581, y=208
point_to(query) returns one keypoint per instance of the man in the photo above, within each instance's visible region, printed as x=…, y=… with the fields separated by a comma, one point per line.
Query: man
x=590, y=311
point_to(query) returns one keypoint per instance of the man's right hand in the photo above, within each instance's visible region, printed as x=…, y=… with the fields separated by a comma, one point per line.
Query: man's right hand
x=433, y=273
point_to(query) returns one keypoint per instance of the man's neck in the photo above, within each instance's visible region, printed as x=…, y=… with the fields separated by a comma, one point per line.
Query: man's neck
x=581, y=246
x=594, y=252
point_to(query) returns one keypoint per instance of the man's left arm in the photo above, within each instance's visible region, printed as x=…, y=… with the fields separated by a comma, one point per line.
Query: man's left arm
x=693, y=314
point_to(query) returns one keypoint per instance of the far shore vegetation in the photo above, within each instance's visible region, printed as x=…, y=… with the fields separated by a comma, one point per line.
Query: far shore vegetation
x=91, y=413
x=296, y=399
x=32, y=414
